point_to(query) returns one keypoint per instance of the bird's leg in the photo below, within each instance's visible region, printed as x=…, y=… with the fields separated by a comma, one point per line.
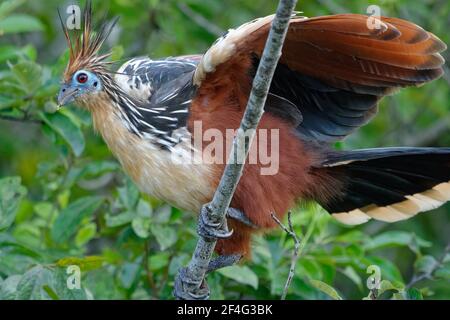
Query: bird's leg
x=187, y=288
x=183, y=280
x=202, y=290
x=240, y=216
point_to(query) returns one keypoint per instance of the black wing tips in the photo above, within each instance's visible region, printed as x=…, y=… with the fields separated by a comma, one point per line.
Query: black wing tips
x=389, y=184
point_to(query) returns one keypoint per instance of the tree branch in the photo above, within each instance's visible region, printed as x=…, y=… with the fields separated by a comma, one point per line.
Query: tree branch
x=148, y=272
x=290, y=231
x=430, y=135
x=429, y=274
x=298, y=247
x=216, y=209
x=200, y=20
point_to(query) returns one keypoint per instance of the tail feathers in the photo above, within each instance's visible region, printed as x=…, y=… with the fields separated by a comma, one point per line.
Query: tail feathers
x=388, y=184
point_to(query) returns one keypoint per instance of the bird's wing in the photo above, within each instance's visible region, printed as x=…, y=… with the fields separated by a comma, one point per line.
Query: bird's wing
x=161, y=92
x=334, y=69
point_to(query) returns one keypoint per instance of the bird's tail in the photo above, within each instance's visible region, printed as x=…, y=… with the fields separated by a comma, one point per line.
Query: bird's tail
x=387, y=184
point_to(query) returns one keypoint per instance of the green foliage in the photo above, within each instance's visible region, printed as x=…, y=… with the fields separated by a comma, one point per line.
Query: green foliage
x=11, y=193
x=64, y=200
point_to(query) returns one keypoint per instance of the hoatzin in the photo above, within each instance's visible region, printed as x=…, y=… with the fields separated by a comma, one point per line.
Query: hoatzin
x=332, y=73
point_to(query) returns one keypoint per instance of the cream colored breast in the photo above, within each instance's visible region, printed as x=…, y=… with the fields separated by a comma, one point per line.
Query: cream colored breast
x=156, y=171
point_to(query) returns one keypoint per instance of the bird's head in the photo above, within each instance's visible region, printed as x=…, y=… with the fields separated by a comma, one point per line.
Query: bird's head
x=87, y=69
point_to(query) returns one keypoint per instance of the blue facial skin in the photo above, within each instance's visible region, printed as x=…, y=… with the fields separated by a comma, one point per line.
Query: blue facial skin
x=82, y=82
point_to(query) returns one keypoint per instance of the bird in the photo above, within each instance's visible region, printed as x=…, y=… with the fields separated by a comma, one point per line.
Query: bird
x=332, y=73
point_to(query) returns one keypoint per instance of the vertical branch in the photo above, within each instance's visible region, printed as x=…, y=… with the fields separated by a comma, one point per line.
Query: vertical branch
x=290, y=231
x=299, y=245
x=214, y=211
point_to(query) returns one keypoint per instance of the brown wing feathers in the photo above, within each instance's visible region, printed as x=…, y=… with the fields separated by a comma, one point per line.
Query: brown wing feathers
x=333, y=68
x=341, y=50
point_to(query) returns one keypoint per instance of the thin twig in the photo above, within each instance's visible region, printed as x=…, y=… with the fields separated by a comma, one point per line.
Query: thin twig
x=298, y=247
x=290, y=231
x=428, y=275
x=200, y=20
x=148, y=272
x=430, y=135
x=194, y=273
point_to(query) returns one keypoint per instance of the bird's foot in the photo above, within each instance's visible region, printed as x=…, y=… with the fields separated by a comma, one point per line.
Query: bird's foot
x=240, y=216
x=186, y=288
x=212, y=229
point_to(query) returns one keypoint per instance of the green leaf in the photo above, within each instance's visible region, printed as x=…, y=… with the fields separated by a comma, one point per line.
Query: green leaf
x=7, y=52
x=398, y=296
x=241, y=274
x=325, y=288
x=354, y=236
x=52, y=294
x=20, y=23
x=44, y=209
x=68, y=221
x=141, y=226
x=386, y=285
x=141, y=222
x=162, y=213
x=352, y=275
x=165, y=236
x=85, y=234
x=69, y=131
x=144, y=209
x=158, y=261
x=8, y=6
x=119, y=219
x=129, y=273
x=414, y=294
x=86, y=263
x=30, y=286
x=308, y=268
x=394, y=238
x=128, y=195
x=96, y=168
x=28, y=75
x=8, y=288
x=11, y=193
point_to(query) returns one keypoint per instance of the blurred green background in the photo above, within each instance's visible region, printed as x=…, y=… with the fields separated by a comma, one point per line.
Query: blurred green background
x=64, y=199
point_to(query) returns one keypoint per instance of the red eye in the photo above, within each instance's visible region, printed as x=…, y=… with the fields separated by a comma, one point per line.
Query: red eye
x=82, y=78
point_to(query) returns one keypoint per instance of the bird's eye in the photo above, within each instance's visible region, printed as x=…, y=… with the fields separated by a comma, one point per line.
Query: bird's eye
x=82, y=77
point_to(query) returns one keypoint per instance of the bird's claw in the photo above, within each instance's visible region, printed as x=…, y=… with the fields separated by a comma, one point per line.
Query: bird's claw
x=186, y=288
x=212, y=229
x=240, y=216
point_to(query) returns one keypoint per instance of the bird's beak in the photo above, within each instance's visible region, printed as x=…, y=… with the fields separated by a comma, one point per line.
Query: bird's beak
x=66, y=94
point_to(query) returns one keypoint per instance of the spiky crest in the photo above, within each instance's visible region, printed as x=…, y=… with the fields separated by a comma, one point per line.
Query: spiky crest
x=85, y=46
